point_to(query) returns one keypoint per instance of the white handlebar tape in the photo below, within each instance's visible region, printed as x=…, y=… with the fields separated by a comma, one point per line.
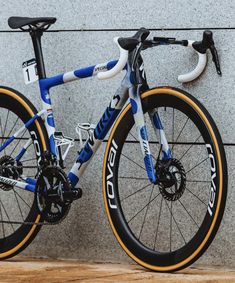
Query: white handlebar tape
x=118, y=67
x=202, y=60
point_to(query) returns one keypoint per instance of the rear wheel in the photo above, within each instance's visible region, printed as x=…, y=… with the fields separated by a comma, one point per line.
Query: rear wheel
x=168, y=226
x=17, y=206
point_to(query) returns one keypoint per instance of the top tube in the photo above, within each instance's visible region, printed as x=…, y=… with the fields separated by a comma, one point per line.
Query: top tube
x=47, y=83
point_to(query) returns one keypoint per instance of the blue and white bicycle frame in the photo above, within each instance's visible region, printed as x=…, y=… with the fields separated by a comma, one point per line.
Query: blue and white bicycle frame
x=128, y=88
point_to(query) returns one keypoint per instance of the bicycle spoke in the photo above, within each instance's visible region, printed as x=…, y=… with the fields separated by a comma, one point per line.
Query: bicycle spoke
x=136, y=192
x=188, y=213
x=29, y=166
x=173, y=129
x=4, y=131
x=3, y=229
x=171, y=224
x=1, y=129
x=18, y=204
x=175, y=222
x=18, y=142
x=194, y=143
x=159, y=215
x=143, y=208
x=22, y=161
x=22, y=199
x=133, y=136
x=160, y=148
x=134, y=178
x=2, y=135
x=197, y=165
x=198, y=181
x=196, y=197
x=133, y=161
x=13, y=127
x=146, y=212
x=180, y=132
x=7, y=215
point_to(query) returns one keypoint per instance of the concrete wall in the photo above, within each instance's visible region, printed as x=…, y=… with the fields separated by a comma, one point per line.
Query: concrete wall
x=83, y=36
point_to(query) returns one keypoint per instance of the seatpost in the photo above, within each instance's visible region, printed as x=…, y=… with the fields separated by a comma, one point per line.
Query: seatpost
x=36, y=38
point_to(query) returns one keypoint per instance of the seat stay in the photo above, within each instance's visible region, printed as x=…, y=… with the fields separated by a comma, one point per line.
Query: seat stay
x=18, y=132
x=23, y=150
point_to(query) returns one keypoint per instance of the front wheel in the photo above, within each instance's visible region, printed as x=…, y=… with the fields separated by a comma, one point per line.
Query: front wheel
x=159, y=227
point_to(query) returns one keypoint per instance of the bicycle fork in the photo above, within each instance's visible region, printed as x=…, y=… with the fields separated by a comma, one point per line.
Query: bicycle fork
x=141, y=129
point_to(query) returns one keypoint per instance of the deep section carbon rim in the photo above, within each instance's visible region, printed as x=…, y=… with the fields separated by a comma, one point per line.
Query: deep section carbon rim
x=154, y=226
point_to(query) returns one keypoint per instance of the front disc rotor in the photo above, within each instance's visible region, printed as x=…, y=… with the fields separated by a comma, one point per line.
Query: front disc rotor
x=172, y=181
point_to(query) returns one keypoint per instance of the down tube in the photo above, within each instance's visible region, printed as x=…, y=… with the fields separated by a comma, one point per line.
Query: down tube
x=98, y=135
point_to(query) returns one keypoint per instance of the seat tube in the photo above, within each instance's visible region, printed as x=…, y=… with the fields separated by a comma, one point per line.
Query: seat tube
x=48, y=116
x=36, y=35
x=142, y=131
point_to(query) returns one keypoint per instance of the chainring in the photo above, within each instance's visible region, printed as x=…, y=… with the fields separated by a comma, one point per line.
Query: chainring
x=51, y=183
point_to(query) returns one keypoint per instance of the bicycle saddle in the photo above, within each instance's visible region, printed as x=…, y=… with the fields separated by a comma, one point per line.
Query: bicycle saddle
x=19, y=22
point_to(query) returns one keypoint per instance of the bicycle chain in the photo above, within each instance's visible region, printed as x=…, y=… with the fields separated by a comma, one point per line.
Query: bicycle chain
x=31, y=223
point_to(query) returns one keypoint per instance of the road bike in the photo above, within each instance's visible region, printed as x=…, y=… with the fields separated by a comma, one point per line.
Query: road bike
x=164, y=170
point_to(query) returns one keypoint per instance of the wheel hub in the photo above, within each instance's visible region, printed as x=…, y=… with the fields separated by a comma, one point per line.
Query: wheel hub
x=171, y=179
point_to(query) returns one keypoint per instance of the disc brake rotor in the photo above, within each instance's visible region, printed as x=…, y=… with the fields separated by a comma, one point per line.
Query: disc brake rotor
x=172, y=182
x=8, y=170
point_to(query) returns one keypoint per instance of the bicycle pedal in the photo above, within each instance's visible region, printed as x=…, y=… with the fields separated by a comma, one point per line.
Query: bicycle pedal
x=72, y=195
